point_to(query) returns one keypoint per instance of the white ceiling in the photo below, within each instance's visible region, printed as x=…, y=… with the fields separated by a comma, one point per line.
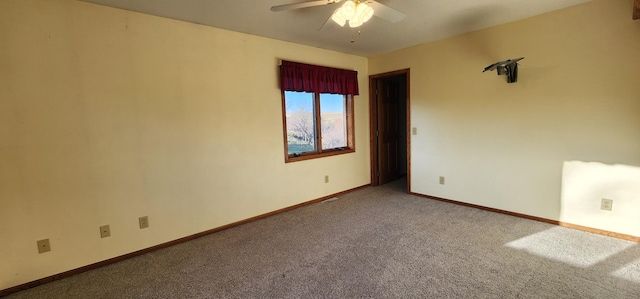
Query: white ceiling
x=426, y=20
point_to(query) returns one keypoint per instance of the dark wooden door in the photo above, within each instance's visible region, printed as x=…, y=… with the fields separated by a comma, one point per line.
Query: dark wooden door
x=389, y=134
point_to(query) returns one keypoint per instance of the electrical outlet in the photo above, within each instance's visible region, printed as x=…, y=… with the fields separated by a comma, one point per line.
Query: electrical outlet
x=441, y=180
x=326, y=178
x=414, y=131
x=606, y=204
x=143, y=221
x=105, y=231
x=43, y=246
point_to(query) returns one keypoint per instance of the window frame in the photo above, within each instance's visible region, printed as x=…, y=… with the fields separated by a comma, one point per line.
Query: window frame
x=319, y=152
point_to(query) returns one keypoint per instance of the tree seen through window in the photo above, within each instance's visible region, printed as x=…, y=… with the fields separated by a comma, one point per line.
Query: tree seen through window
x=311, y=117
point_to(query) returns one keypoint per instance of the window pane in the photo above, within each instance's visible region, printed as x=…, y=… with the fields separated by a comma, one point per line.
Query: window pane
x=333, y=116
x=301, y=129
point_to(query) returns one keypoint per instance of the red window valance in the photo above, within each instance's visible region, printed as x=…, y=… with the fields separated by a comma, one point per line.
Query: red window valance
x=296, y=76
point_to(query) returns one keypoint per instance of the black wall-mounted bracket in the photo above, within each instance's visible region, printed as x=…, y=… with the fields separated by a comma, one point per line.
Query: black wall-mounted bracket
x=507, y=67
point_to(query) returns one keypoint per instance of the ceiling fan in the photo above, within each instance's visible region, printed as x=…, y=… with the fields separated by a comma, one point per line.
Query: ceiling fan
x=354, y=12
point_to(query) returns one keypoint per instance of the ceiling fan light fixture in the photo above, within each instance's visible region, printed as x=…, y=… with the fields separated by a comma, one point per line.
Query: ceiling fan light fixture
x=355, y=22
x=356, y=13
x=348, y=10
x=364, y=12
x=337, y=17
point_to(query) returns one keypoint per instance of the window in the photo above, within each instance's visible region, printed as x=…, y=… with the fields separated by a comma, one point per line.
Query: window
x=317, y=104
x=317, y=124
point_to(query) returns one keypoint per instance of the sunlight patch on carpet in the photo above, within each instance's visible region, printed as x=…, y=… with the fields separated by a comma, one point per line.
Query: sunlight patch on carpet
x=568, y=246
x=630, y=271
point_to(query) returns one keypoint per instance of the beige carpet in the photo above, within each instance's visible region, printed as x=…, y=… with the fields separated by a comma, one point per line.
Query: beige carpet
x=377, y=242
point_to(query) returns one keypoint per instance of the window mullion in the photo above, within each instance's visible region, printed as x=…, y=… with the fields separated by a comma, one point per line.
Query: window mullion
x=318, y=122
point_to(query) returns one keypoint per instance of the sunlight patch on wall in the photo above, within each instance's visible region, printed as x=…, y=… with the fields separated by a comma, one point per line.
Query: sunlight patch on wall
x=569, y=246
x=586, y=184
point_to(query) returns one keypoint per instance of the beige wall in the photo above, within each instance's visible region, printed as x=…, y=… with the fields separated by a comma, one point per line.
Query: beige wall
x=526, y=147
x=108, y=115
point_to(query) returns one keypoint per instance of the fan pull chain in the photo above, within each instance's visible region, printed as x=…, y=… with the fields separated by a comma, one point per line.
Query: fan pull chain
x=353, y=39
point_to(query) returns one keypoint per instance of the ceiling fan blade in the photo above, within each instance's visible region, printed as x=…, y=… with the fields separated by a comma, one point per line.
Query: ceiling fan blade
x=300, y=5
x=385, y=12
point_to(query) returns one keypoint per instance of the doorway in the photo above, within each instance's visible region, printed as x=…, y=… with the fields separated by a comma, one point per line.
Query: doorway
x=389, y=123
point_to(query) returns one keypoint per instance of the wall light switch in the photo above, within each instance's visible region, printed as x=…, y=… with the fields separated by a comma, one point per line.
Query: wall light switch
x=414, y=131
